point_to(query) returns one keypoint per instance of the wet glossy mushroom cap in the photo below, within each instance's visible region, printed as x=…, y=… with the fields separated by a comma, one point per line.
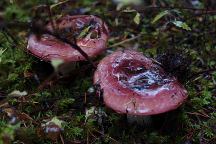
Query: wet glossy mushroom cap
x=90, y=31
x=134, y=84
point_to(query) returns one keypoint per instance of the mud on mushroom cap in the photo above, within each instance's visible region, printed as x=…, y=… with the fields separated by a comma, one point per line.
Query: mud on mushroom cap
x=93, y=43
x=134, y=84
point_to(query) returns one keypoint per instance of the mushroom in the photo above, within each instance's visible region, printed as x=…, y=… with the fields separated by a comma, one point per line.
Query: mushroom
x=90, y=32
x=135, y=85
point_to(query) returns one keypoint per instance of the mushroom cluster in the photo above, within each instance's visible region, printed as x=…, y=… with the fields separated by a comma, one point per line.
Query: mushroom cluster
x=131, y=82
x=90, y=32
x=136, y=85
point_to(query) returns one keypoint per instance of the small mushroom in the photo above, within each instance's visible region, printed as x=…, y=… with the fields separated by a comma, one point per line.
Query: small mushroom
x=135, y=85
x=90, y=32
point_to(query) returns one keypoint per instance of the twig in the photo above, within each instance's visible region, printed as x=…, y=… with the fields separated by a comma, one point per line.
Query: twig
x=51, y=18
x=125, y=41
x=200, y=73
x=62, y=140
x=212, y=140
x=179, y=7
x=107, y=136
x=169, y=8
x=65, y=40
x=4, y=104
x=198, y=114
x=87, y=137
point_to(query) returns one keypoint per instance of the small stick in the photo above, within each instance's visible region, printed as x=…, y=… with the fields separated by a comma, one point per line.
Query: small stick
x=125, y=41
x=198, y=114
x=107, y=136
x=62, y=140
x=200, y=73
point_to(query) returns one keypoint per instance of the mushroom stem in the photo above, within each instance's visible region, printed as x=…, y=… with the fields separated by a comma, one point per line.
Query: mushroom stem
x=139, y=119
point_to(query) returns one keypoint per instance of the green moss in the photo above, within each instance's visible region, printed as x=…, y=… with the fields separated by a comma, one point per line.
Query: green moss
x=64, y=104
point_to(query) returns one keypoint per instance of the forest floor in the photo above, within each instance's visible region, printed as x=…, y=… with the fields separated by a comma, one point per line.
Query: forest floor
x=38, y=105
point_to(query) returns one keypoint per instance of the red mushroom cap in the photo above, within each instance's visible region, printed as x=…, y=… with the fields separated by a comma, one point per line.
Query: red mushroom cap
x=47, y=47
x=134, y=84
